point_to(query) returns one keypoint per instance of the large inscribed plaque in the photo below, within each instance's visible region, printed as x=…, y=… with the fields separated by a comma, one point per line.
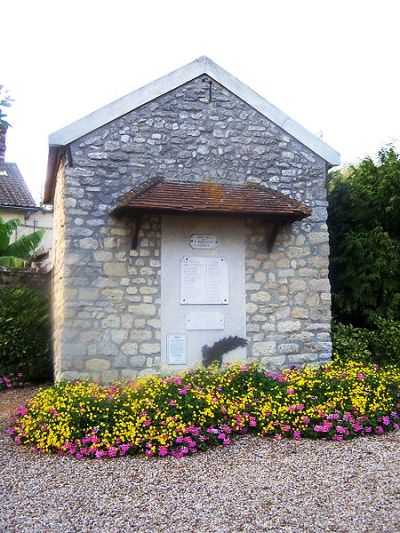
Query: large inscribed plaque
x=204, y=280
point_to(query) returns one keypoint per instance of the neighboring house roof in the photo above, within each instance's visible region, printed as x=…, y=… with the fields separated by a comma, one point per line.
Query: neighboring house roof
x=248, y=198
x=202, y=65
x=14, y=191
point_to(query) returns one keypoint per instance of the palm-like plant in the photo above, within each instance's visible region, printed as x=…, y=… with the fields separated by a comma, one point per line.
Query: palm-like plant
x=17, y=254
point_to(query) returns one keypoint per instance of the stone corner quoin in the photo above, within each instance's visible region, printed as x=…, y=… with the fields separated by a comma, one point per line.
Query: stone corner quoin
x=108, y=298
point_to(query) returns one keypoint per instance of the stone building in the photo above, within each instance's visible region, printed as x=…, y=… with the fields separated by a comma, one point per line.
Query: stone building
x=187, y=211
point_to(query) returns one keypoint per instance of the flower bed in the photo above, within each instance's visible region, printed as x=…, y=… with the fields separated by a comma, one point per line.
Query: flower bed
x=179, y=415
x=10, y=380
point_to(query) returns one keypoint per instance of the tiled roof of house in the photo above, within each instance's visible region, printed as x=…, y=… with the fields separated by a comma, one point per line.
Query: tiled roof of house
x=207, y=197
x=13, y=190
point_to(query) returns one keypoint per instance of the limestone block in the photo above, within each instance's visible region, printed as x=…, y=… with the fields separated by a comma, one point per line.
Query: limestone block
x=88, y=243
x=120, y=361
x=107, y=376
x=119, y=335
x=70, y=375
x=150, y=348
x=144, y=309
x=154, y=323
x=90, y=336
x=88, y=293
x=115, y=269
x=97, y=364
x=140, y=335
x=264, y=348
x=288, y=348
x=251, y=308
x=127, y=374
x=102, y=255
x=127, y=321
x=137, y=361
x=111, y=321
x=300, y=312
x=287, y=326
x=260, y=277
x=129, y=348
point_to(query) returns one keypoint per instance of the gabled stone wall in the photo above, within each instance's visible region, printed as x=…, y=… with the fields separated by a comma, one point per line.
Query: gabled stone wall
x=111, y=327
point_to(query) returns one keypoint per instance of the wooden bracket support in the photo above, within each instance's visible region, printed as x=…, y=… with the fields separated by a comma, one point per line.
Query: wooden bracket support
x=273, y=233
x=136, y=221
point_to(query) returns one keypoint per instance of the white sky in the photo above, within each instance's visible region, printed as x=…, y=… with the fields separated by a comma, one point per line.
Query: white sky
x=331, y=65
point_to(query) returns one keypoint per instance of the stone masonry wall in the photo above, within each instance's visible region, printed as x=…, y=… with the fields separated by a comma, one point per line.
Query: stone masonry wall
x=112, y=295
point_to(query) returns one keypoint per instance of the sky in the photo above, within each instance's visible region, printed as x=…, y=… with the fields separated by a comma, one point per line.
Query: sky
x=333, y=66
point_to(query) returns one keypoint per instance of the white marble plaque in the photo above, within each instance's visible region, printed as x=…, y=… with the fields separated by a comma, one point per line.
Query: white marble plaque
x=203, y=242
x=204, y=280
x=176, y=349
x=204, y=320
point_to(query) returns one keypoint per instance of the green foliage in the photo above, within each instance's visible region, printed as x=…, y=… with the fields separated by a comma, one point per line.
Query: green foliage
x=25, y=333
x=213, y=354
x=378, y=345
x=364, y=225
x=5, y=101
x=17, y=254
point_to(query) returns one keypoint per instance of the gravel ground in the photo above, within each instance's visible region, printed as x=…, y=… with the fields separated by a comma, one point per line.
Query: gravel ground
x=253, y=485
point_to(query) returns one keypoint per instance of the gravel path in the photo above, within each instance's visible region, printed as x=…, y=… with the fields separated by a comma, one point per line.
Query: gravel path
x=253, y=485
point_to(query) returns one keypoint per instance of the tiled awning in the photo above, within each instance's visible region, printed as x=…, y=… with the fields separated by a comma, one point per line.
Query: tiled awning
x=248, y=198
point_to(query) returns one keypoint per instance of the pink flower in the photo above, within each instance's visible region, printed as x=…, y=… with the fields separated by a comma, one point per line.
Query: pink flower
x=226, y=442
x=22, y=410
x=286, y=427
x=278, y=437
x=360, y=376
x=289, y=391
x=172, y=403
x=112, y=451
x=337, y=438
x=386, y=420
x=162, y=451
x=253, y=422
x=379, y=430
x=296, y=435
x=148, y=453
x=147, y=422
x=179, y=440
x=306, y=420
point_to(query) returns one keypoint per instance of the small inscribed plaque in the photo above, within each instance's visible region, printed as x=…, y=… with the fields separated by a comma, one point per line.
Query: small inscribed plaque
x=204, y=242
x=207, y=321
x=176, y=349
x=204, y=280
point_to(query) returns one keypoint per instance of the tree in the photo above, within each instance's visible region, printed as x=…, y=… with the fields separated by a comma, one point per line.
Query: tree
x=5, y=101
x=17, y=254
x=364, y=225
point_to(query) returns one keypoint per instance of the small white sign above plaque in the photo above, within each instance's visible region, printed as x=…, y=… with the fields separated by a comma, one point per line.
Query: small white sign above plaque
x=176, y=349
x=204, y=320
x=203, y=242
x=204, y=280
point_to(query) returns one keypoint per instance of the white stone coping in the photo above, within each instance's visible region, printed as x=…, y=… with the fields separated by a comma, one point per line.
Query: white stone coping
x=202, y=65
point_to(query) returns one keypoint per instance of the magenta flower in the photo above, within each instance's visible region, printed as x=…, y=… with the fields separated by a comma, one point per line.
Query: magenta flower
x=386, y=420
x=296, y=435
x=172, y=403
x=289, y=391
x=162, y=451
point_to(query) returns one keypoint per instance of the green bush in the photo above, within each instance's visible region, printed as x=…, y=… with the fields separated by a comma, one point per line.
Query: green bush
x=25, y=333
x=379, y=345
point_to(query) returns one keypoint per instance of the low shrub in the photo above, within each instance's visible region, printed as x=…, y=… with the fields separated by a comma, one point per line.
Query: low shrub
x=380, y=344
x=25, y=333
x=179, y=415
